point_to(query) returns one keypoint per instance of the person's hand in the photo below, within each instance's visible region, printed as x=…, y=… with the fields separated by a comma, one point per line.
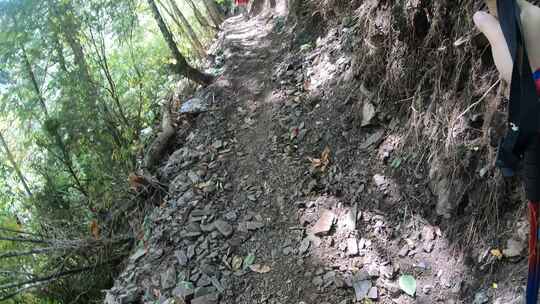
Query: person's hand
x=490, y=27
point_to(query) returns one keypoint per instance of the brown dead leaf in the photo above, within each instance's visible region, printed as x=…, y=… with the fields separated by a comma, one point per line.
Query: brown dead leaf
x=136, y=182
x=496, y=253
x=94, y=229
x=237, y=262
x=323, y=162
x=260, y=268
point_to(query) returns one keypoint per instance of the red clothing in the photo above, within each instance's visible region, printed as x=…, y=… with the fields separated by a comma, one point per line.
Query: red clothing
x=241, y=2
x=536, y=77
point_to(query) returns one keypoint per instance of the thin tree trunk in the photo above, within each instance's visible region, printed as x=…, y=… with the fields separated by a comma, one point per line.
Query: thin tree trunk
x=197, y=43
x=15, y=165
x=257, y=7
x=199, y=16
x=24, y=240
x=212, y=13
x=181, y=28
x=53, y=276
x=17, y=231
x=181, y=67
x=20, y=290
x=70, y=33
x=104, y=65
x=32, y=77
x=66, y=157
x=14, y=254
x=59, y=52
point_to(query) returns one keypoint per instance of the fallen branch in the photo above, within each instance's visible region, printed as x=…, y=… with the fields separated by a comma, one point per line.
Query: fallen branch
x=17, y=231
x=44, y=280
x=159, y=145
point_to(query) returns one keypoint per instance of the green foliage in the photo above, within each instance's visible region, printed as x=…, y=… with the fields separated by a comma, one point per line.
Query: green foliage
x=79, y=80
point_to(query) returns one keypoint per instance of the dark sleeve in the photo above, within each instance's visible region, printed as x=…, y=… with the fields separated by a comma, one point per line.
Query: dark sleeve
x=532, y=170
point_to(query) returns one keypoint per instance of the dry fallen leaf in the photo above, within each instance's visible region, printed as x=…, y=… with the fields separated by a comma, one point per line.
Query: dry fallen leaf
x=237, y=262
x=323, y=162
x=136, y=182
x=258, y=268
x=496, y=253
x=94, y=229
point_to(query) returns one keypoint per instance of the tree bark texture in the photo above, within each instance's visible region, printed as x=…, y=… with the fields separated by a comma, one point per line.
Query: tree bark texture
x=181, y=66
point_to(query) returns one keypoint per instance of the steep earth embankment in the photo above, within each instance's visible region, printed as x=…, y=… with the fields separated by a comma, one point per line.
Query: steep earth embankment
x=345, y=145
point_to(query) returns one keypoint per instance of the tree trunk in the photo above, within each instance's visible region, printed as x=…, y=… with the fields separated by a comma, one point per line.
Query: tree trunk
x=66, y=156
x=159, y=145
x=32, y=77
x=213, y=12
x=196, y=42
x=17, y=231
x=59, y=52
x=256, y=7
x=199, y=16
x=15, y=165
x=54, y=276
x=104, y=65
x=181, y=66
x=182, y=29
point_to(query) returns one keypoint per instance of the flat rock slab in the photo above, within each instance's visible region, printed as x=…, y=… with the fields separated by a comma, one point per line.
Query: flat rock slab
x=194, y=106
x=207, y=299
x=325, y=223
x=362, y=289
x=352, y=247
x=223, y=227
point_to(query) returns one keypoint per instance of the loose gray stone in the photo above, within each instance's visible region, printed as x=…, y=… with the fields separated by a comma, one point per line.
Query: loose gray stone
x=387, y=271
x=317, y=281
x=168, y=278
x=373, y=293
x=207, y=299
x=480, y=298
x=361, y=289
x=254, y=225
x=138, y=254
x=373, y=270
x=404, y=251
x=181, y=257
x=428, y=246
x=325, y=223
x=191, y=251
x=287, y=250
x=329, y=278
x=352, y=247
x=194, y=106
x=428, y=233
x=372, y=140
x=208, y=228
x=230, y=216
x=304, y=246
x=223, y=227
x=183, y=290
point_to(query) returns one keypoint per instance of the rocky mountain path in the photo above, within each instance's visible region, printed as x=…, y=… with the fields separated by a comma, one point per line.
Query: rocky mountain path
x=278, y=195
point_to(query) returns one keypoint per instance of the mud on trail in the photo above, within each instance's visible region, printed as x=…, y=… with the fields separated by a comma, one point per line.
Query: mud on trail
x=290, y=190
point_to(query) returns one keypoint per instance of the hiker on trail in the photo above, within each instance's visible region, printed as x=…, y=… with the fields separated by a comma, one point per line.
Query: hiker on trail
x=241, y=6
x=513, y=30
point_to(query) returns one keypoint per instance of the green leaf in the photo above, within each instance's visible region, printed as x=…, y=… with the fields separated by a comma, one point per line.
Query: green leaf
x=396, y=163
x=407, y=283
x=248, y=261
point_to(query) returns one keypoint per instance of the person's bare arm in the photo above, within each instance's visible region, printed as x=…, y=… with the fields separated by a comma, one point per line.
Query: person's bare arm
x=490, y=27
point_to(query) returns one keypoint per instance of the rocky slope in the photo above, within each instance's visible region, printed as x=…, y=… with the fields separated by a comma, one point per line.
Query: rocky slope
x=324, y=169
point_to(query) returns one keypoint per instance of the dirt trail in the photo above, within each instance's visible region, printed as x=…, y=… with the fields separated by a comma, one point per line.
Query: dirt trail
x=282, y=173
